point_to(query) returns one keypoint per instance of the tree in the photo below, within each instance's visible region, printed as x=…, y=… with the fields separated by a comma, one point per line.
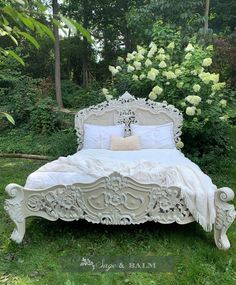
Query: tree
x=206, y=16
x=55, y=8
x=18, y=20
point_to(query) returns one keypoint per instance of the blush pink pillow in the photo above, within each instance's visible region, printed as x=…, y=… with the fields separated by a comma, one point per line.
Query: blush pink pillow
x=128, y=143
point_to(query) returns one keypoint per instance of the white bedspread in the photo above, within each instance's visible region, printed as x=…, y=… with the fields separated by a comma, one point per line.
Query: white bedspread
x=168, y=167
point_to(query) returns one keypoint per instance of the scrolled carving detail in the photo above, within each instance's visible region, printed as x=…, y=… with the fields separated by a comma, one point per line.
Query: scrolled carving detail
x=62, y=203
x=167, y=206
x=225, y=215
x=14, y=207
x=115, y=182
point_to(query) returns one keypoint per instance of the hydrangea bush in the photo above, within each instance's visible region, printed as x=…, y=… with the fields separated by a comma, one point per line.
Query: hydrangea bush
x=181, y=78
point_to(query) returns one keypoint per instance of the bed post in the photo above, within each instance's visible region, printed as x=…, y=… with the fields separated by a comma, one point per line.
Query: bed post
x=225, y=215
x=14, y=207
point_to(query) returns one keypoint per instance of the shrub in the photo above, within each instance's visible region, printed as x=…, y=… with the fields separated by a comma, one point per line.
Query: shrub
x=42, y=118
x=18, y=94
x=184, y=81
x=77, y=97
x=21, y=140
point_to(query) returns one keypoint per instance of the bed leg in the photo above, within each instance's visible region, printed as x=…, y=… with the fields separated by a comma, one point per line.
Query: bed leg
x=14, y=208
x=225, y=215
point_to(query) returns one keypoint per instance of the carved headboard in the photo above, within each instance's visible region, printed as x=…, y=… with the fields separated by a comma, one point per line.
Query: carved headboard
x=127, y=109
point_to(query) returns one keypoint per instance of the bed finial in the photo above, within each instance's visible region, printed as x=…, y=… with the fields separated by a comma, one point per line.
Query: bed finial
x=127, y=96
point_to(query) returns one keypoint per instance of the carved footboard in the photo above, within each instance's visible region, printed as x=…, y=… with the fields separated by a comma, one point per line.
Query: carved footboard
x=114, y=200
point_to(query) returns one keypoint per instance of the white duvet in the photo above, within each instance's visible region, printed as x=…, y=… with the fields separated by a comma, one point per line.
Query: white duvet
x=167, y=167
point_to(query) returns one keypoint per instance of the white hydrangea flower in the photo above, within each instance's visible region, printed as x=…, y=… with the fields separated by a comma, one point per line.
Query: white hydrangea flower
x=141, y=50
x=120, y=59
x=142, y=76
x=193, y=72
x=148, y=62
x=109, y=97
x=207, y=61
x=113, y=70
x=105, y=91
x=129, y=57
x=210, y=48
x=139, y=57
x=119, y=68
x=190, y=111
x=205, y=77
x=157, y=90
x=178, y=72
x=223, y=103
x=151, y=53
x=152, y=74
x=199, y=70
x=215, y=77
x=180, y=84
x=183, y=104
x=179, y=144
x=171, y=45
x=192, y=99
x=196, y=87
x=161, y=50
x=130, y=68
x=217, y=86
x=135, y=77
x=137, y=65
x=162, y=64
x=224, y=118
x=169, y=74
x=189, y=48
x=209, y=101
x=161, y=56
x=152, y=96
x=153, y=45
x=134, y=52
x=188, y=56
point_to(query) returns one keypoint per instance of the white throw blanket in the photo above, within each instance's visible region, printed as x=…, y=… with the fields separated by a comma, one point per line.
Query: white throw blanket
x=167, y=167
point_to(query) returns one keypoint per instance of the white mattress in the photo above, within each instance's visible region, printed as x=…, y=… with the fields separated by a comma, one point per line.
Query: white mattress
x=167, y=167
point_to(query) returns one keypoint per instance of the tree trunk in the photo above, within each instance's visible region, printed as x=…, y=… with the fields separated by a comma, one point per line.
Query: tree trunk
x=85, y=46
x=55, y=8
x=206, y=16
x=22, y=155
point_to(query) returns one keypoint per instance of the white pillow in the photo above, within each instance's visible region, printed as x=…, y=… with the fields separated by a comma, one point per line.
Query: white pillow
x=154, y=136
x=99, y=136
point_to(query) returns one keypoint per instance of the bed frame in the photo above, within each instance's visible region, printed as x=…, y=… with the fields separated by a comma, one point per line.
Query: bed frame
x=115, y=199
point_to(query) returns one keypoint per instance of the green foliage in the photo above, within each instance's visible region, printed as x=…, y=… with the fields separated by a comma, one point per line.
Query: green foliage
x=181, y=77
x=42, y=118
x=18, y=94
x=77, y=97
x=18, y=20
x=187, y=14
x=8, y=117
x=21, y=140
x=164, y=33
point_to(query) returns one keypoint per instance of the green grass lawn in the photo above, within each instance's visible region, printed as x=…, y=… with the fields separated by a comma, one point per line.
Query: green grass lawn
x=38, y=260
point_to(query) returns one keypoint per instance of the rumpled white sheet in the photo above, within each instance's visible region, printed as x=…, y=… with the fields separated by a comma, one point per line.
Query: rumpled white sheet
x=167, y=167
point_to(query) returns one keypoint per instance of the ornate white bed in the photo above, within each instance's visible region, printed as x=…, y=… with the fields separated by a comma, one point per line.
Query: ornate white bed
x=117, y=199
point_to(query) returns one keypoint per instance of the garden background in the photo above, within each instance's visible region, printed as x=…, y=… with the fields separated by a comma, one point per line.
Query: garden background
x=57, y=57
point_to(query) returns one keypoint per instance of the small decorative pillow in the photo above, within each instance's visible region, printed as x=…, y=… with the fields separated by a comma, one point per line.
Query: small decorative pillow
x=154, y=136
x=128, y=143
x=99, y=136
